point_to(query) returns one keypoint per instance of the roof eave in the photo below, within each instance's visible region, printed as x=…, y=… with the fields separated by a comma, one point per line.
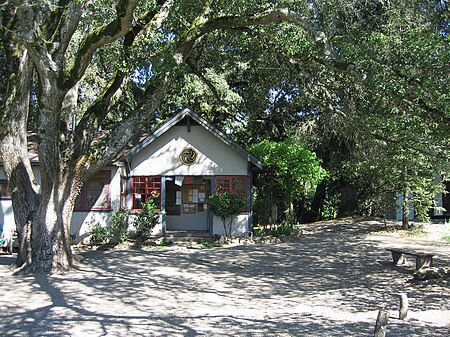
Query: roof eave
x=177, y=118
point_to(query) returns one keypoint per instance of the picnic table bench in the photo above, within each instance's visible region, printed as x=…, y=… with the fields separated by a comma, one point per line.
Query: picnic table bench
x=422, y=259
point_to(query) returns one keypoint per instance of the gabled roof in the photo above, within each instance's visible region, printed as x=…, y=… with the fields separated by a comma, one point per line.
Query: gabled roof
x=208, y=126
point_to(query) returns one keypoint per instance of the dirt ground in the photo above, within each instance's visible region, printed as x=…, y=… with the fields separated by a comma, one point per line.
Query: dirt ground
x=330, y=282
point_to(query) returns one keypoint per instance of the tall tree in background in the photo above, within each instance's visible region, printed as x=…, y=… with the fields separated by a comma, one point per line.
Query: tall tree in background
x=379, y=119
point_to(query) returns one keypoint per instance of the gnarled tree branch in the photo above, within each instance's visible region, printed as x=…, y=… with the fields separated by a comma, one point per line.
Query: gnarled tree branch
x=98, y=38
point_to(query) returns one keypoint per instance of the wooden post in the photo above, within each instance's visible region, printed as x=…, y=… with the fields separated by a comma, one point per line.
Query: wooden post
x=381, y=324
x=403, y=311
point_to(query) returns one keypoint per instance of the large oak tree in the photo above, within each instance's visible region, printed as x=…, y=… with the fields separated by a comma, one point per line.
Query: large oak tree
x=78, y=58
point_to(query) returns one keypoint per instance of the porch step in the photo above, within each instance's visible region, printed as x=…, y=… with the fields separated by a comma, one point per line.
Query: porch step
x=188, y=236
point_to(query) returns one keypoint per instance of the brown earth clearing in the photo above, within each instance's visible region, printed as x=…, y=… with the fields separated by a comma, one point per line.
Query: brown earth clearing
x=330, y=281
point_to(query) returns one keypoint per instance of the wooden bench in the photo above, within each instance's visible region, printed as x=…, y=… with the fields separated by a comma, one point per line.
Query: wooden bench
x=422, y=259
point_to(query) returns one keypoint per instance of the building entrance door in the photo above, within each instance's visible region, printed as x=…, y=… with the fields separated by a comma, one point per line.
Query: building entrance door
x=186, y=203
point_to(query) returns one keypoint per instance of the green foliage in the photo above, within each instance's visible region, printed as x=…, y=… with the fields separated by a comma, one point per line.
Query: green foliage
x=416, y=230
x=226, y=205
x=295, y=168
x=292, y=172
x=284, y=228
x=209, y=244
x=165, y=243
x=117, y=233
x=119, y=225
x=99, y=235
x=329, y=210
x=146, y=220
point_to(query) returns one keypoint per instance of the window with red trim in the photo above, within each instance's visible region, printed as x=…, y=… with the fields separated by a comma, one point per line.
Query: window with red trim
x=145, y=188
x=236, y=185
x=4, y=191
x=95, y=194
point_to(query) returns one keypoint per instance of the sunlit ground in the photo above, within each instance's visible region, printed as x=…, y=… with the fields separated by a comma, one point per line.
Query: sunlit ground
x=331, y=282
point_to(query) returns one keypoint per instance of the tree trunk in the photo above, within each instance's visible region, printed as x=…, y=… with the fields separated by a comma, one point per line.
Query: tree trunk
x=13, y=146
x=317, y=204
x=50, y=244
x=405, y=217
x=349, y=201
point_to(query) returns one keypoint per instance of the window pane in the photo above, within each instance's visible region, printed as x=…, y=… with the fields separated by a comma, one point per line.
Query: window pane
x=239, y=186
x=97, y=195
x=233, y=185
x=97, y=191
x=4, y=192
x=145, y=188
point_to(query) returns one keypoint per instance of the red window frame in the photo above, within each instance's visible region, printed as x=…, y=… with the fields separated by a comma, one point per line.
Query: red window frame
x=85, y=202
x=236, y=185
x=4, y=189
x=143, y=188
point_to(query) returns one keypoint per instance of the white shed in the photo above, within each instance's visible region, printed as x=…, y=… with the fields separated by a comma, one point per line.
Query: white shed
x=179, y=166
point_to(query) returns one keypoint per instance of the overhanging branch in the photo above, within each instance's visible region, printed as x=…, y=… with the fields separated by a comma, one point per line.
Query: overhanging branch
x=102, y=105
x=98, y=38
x=196, y=32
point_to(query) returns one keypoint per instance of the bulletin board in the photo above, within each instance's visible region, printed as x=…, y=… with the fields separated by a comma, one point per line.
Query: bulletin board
x=194, y=194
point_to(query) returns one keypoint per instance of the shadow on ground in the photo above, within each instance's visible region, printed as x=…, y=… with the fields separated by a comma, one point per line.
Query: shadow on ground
x=331, y=282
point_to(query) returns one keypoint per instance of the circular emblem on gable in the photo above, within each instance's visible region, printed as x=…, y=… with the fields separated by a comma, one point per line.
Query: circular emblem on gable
x=188, y=156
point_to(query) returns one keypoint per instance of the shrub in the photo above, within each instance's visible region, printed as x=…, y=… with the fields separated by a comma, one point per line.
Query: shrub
x=209, y=244
x=99, y=235
x=119, y=225
x=226, y=205
x=146, y=220
x=284, y=228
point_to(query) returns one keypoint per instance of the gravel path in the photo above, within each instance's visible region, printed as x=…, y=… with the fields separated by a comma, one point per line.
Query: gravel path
x=330, y=282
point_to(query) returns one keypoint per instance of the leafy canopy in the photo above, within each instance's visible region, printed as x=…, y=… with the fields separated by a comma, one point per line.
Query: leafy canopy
x=293, y=167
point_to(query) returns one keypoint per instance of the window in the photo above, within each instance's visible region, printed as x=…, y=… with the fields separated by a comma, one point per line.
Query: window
x=145, y=188
x=236, y=185
x=95, y=193
x=4, y=191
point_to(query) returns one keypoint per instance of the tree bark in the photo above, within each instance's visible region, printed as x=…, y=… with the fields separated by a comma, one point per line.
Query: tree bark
x=13, y=143
x=349, y=201
x=50, y=228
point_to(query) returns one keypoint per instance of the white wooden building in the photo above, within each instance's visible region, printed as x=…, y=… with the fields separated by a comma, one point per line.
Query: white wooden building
x=178, y=166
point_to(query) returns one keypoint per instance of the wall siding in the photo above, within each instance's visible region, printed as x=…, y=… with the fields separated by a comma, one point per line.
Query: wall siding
x=161, y=156
x=240, y=225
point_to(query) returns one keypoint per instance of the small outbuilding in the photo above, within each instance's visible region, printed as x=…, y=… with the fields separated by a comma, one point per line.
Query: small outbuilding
x=178, y=166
